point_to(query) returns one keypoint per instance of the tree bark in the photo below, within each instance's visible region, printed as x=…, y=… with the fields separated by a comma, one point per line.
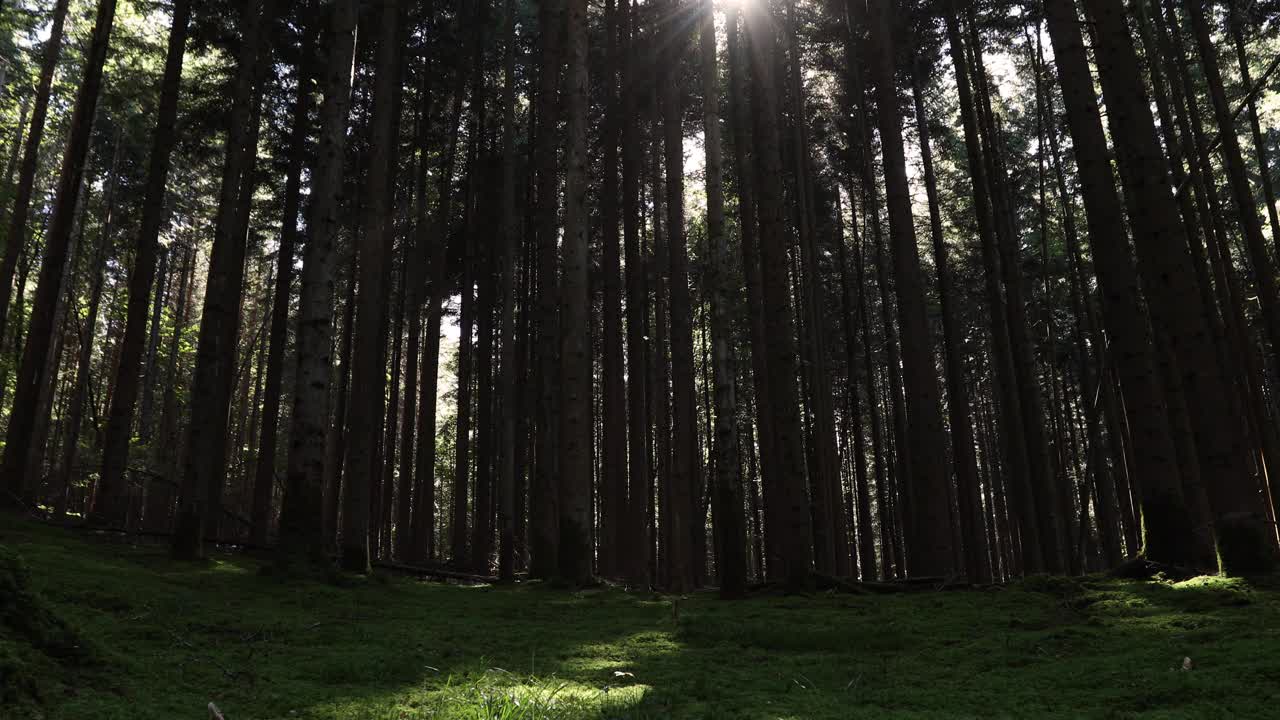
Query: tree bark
x=367, y=371
x=575, y=352
x=728, y=508
x=509, y=232
x=32, y=373
x=1165, y=265
x=265, y=472
x=795, y=559
x=1237, y=175
x=962, y=443
x=544, y=502
x=111, y=496
x=929, y=544
x=16, y=238
x=640, y=488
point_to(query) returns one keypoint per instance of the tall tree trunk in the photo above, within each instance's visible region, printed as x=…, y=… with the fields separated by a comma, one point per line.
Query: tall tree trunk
x=509, y=234
x=544, y=494
x=265, y=475
x=74, y=416
x=731, y=559
x=301, y=528
x=1255, y=129
x=458, y=535
x=205, y=464
x=613, y=445
x=743, y=164
x=16, y=238
x=1043, y=497
x=32, y=373
x=958, y=405
x=575, y=352
x=929, y=545
x=110, y=499
x=1165, y=265
x=1091, y=360
x=795, y=558
x=424, y=519
x=684, y=427
x=482, y=526
x=160, y=495
x=146, y=406
x=660, y=387
x=1237, y=175
x=830, y=547
x=335, y=434
x=640, y=489
x=416, y=257
x=1165, y=521
x=19, y=134
x=367, y=371
x=866, y=544
x=386, y=463
x=1012, y=428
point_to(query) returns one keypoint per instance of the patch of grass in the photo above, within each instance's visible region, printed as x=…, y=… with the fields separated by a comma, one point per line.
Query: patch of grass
x=268, y=647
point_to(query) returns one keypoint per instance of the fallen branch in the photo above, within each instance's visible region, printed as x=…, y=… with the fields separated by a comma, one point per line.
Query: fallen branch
x=433, y=571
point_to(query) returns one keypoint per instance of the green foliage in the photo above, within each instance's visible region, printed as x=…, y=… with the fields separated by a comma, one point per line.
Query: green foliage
x=266, y=646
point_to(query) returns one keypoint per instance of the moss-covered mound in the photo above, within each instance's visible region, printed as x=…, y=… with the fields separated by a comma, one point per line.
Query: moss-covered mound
x=40, y=653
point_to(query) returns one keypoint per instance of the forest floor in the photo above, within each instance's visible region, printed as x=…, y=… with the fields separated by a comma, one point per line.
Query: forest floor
x=111, y=631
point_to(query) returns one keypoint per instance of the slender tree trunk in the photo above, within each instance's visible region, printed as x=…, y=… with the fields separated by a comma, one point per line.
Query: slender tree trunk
x=613, y=445
x=743, y=163
x=16, y=238
x=265, y=476
x=958, y=405
x=1255, y=129
x=424, y=519
x=112, y=492
x=146, y=406
x=409, y=499
x=160, y=495
x=458, y=535
x=684, y=427
x=866, y=546
x=544, y=494
x=74, y=416
x=509, y=232
x=1043, y=500
x=367, y=373
x=1012, y=429
x=929, y=545
x=1237, y=175
x=1087, y=326
x=575, y=352
x=639, y=489
x=731, y=560
x=19, y=134
x=32, y=373
x=386, y=463
x=796, y=554
x=482, y=526
x=660, y=387
x=1165, y=265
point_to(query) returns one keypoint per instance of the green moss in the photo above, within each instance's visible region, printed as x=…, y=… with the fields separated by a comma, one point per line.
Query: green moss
x=40, y=652
x=283, y=647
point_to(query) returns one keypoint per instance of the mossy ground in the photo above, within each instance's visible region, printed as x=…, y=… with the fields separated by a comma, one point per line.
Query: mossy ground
x=168, y=638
